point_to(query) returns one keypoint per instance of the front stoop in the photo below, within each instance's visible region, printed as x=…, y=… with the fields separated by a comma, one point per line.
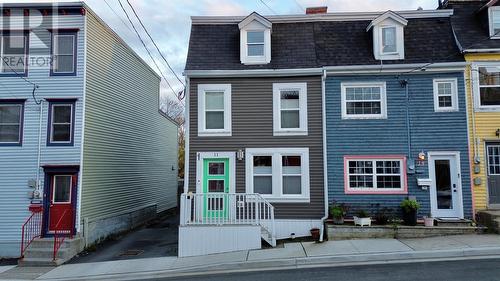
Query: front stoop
x=490, y=219
x=40, y=252
x=453, y=222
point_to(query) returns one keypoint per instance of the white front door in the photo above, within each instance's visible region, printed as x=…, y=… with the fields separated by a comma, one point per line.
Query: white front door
x=446, y=188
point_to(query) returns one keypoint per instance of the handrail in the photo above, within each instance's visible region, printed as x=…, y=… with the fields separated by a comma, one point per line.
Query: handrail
x=227, y=209
x=58, y=234
x=31, y=229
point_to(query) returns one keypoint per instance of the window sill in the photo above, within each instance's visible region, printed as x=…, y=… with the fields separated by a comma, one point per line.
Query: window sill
x=487, y=109
x=60, y=144
x=287, y=199
x=376, y=192
x=290, y=133
x=10, y=144
x=214, y=134
x=364, y=117
x=446, y=110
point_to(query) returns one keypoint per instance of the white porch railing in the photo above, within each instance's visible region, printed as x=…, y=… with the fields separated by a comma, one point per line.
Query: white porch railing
x=229, y=209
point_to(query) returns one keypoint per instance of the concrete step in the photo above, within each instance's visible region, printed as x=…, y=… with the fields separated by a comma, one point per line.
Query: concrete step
x=39, y=262
x=62, y=253
x=453, y=222
x=49, y=242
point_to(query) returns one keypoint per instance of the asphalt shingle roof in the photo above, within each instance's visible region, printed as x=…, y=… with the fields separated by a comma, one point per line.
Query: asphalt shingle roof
x=471, y=28
x=317, y=44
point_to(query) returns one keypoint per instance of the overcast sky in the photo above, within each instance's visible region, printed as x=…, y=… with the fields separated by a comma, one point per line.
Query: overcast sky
x=169, y=20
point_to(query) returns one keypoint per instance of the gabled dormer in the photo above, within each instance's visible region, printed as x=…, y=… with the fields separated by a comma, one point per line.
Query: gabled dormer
x=255, y=39
x=493, y=18
x=388, y=36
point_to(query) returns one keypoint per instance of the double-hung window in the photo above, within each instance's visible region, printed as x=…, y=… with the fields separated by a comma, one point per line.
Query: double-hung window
x=61, y=122
x=214, y=110
x=63, y=53
x=494, y=20
x=11, y=122
x=375, y=175
x=255, y=43
x=363, y=100
x=389, y=44
x=445, y=95
x=278, y=174
x=290, y=108
x=14, y=53
x=488, y=88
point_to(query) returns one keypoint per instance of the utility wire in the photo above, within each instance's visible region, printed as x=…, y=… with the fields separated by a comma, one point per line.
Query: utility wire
x=265, y=4
x=118, y=16
x=154, y=43
x=145, y=47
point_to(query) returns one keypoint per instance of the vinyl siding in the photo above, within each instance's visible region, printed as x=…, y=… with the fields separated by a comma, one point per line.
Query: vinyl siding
x=129, y=147
x=18, y=164
x=430, y=131
x=252, y=127
x=486, y=124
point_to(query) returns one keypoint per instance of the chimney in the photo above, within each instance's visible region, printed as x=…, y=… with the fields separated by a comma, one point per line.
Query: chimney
x=316, y=10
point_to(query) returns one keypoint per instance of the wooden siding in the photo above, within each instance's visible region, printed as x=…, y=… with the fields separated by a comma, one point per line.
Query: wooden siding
x=430, y=131
x=18, y=164
x=252, y=127
x=129, y=147
x=486, y=124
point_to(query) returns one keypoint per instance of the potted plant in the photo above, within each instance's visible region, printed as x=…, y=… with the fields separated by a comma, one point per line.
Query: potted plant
x=315, y=234
x=428, y=220
x=338, y=212
x=362, y=218
x=382, y=215
x=410, y=208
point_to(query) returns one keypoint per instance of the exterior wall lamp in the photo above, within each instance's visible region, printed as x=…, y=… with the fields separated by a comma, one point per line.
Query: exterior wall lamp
x=240, y=154
x=497, y=133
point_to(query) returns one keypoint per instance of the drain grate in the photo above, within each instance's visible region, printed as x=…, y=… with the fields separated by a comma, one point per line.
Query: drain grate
x=131, y=253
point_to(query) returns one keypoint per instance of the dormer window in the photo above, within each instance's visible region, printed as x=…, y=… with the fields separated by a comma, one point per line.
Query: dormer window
x=388, y=36
x=389, y=45
x=255, y=43
x=255, y=40
x=494, y=19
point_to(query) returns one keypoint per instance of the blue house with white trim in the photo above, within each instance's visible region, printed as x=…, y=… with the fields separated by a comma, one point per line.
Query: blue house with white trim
x=78, y=157
x=396, y=119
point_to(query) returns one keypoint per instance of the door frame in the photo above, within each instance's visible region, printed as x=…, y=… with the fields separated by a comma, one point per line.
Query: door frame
x=50, y=171
x=487, y=172
x=200, y=156
x=432, y=176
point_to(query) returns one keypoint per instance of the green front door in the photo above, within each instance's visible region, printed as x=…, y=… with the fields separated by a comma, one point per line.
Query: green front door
x=215, y=180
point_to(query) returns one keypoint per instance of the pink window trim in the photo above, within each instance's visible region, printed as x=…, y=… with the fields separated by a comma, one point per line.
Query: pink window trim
x=375, y=157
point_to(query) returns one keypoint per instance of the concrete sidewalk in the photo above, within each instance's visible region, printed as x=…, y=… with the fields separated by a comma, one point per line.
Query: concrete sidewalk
x=292, y=255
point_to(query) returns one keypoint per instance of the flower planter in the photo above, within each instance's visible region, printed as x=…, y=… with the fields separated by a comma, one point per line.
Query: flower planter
x=410, y=217
x=339, y=220
x=315, y=234
x=362, y=221
x=429, y=222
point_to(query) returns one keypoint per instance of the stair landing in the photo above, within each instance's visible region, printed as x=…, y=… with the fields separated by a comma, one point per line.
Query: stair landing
x=40, y=252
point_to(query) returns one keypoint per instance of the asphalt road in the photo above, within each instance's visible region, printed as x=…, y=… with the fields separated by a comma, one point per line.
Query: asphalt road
x=467, y=270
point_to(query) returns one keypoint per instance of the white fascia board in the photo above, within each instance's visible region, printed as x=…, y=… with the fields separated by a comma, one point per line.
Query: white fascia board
x=396, y=68
x=346, y=16
x=255, y=16
x=388, y=15
x=253, y=72
x=481, y=51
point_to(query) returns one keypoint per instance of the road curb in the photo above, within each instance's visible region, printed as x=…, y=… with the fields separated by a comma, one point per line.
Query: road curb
x=304, y=262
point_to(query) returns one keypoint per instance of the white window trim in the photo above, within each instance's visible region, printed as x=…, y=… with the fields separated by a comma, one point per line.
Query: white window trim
x=52, y=123
x=378, y=43
x=55, y=52
x=202, y=131
x=277, y=178
x=374, y=189
x=54, y=189
x=382, y=40
x=476, y=87
x=383, y=100
x=302, y=130
x=454, y=95
x=490, y=22
x=249, y=60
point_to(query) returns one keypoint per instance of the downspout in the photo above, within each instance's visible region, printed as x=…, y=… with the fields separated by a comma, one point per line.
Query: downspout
x=404, y=83
x=39, y=152
x=475, y=142
x=325, y=169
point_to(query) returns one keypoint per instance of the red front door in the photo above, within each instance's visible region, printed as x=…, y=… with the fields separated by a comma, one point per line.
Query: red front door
x=61, y=204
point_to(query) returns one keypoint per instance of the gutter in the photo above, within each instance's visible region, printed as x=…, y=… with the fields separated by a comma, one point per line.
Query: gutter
x=481, y=50
x=252, y=72
x=396, y=68
x=325, y=167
